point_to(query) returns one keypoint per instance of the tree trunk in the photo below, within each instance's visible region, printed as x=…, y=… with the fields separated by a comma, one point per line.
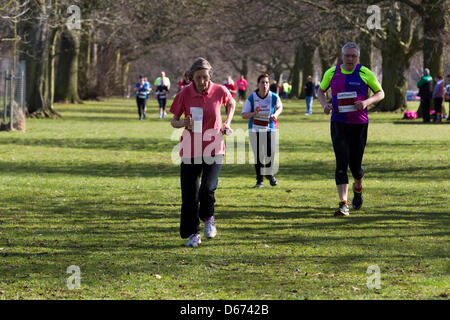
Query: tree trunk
x=296, y=74
x=85, y=68
x=397, y=49
x=366, y=46
x=433, y=40
x=53, y=43
x=244, y=70
x=117, y=72
x=307, y=65
x=94, y=66
x=278, y=75
x=67, y=81
x=395, y=79
x=36, y=56
x=126, y=69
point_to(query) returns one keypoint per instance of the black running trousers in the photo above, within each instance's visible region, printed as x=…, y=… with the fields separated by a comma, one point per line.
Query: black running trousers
x=349, y=141
x=264, y=146
x=162, y=103
x=198, y=185
x=141, y=104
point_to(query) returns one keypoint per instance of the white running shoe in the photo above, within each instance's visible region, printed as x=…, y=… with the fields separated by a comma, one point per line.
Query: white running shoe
x=194, y=240
x=210, y=228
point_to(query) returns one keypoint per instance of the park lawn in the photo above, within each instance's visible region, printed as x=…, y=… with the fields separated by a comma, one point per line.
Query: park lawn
x=98, y=189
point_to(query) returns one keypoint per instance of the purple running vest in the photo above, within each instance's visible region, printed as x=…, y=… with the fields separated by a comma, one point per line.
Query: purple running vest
x=349, y=83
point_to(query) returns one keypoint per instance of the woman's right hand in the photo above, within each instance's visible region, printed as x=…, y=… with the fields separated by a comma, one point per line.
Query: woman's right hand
x=258, y=110
x=188, y=122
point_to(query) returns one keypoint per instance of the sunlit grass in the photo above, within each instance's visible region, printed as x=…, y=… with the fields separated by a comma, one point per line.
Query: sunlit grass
x=98, y=189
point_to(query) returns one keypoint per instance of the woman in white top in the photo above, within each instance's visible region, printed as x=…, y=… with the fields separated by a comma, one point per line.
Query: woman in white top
x=262, y=109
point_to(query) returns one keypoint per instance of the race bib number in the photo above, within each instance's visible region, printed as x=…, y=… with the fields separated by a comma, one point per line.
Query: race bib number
x=346, y=101
x=197, y=119
x=261, y=120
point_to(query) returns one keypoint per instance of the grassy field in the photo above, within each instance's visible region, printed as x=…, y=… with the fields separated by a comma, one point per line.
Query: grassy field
x=97, y=189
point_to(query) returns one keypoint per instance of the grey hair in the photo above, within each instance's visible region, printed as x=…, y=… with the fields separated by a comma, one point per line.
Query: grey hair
x=350, y=45
x=426, y=71
x=200, y=64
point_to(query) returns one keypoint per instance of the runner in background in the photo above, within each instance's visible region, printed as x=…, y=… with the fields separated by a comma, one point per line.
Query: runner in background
x=162, y=92
x=142, y=91
x=183, y=82
x=229, y=84
x=241, y=84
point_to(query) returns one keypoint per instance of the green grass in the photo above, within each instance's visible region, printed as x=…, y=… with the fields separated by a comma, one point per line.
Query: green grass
x=98, y=189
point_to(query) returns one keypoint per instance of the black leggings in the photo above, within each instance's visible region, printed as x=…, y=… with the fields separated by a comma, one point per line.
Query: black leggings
x=162, y=103
x=141, y=104
x=349, y=141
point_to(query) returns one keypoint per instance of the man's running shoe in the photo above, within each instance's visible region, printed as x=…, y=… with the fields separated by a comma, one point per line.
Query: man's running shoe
x=342, y=210
x=357, y=200
x=194, y=240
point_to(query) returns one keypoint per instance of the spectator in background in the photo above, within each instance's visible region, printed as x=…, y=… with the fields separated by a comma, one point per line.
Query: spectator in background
x=241, y=84
x=425, y=89
x=437, y=97
x=285, y=90
x=447, y=96
x=274, y=87
x=309, y=95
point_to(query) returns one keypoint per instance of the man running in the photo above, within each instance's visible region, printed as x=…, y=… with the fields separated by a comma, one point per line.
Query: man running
x=350, y=83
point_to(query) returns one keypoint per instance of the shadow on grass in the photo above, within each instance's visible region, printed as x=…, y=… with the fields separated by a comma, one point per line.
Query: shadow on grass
x=303, y=171
x=115, y=241
x=421, y=123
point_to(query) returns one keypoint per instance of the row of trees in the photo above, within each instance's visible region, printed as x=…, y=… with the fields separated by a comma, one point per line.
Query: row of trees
x=82, y=52
x=287, y=35
x=76, y=50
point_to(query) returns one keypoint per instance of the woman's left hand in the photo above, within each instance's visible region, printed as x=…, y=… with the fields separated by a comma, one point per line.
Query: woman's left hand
x=273, y=117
